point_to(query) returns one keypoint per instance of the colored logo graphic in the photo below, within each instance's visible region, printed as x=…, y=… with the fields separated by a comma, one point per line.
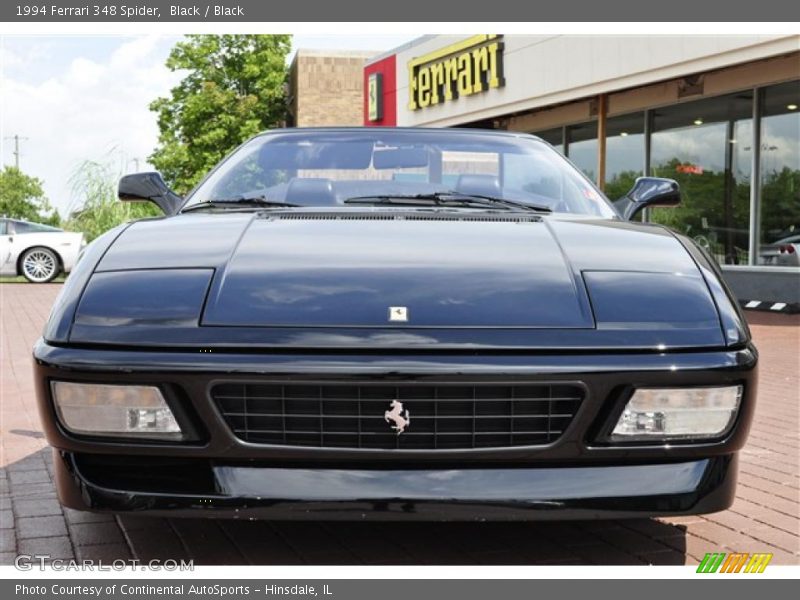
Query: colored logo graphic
x=736, y=562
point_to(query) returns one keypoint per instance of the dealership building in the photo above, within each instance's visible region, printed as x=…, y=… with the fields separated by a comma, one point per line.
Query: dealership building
x=717, y=113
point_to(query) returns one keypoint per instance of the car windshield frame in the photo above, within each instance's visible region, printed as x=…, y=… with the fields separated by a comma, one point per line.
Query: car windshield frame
x=293, y=154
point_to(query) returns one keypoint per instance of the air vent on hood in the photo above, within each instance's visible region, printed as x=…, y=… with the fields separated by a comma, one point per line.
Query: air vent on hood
x=330, y=216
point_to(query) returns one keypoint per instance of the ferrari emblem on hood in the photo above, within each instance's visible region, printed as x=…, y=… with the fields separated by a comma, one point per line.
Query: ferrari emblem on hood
x=398, y=416
x=398, y=313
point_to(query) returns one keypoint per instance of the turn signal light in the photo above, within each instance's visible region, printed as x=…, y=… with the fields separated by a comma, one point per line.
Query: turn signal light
x=138, y=411
x=678, y=413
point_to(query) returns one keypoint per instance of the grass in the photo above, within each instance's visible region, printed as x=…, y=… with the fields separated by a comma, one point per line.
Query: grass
x=21, y=279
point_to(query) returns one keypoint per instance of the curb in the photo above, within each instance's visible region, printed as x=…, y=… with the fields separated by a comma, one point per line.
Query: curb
x=769, y=306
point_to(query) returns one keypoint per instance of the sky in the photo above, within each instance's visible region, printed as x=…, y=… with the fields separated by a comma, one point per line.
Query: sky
x=78, y=98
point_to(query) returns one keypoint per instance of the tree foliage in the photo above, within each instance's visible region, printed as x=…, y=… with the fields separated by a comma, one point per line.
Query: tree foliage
x=95, y=183
x=723, y=225
x=22, y=197
x=621, y=184
x=234, y=87
x=780, y=202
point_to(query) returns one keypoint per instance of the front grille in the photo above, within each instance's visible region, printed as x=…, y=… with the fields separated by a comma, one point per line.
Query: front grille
x=441, y=415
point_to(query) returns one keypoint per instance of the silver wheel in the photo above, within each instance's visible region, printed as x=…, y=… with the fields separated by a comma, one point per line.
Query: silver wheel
x=39, y=265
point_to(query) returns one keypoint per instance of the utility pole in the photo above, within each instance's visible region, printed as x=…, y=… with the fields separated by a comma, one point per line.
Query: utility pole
x=16, y=139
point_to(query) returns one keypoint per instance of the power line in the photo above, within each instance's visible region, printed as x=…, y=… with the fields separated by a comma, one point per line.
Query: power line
x=16, y=153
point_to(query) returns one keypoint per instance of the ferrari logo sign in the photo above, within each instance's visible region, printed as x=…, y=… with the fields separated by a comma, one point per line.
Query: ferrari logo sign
x=375, y=97
x=469, y=67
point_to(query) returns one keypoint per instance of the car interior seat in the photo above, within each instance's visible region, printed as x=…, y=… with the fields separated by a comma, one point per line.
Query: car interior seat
x=482, y=185
x=311, y=192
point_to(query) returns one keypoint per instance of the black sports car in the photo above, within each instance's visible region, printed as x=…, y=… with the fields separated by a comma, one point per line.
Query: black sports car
x=397, y=324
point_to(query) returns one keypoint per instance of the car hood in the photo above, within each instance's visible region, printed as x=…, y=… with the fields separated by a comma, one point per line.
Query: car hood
x=397, y=278
x=374, y=270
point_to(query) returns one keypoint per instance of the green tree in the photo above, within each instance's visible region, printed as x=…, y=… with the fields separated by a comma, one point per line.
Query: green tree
x=22, y=197
x=234, y=87
x=704, y=214
x=96, y=184
x=780, y=201
x=621, y=184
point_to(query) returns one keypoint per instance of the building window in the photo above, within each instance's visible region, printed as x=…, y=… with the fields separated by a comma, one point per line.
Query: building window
x=780, y=173
x=625, y=146
x=706, y=146
x=582, y=147
x=554, y=137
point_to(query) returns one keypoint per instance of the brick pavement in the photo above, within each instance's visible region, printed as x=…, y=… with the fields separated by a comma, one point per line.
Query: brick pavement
x=764, y=517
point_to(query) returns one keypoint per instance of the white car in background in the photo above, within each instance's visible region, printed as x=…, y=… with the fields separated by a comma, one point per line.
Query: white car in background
x=783, y=253
x=37, y=252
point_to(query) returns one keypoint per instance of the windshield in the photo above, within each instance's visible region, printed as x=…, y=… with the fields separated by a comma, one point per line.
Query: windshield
x=332, y=168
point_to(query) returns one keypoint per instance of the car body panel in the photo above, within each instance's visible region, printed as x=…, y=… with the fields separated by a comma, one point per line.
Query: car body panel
x=260, y=295
x=347, y=273
x=224, y=458
x=608, y=377
x=455, y=494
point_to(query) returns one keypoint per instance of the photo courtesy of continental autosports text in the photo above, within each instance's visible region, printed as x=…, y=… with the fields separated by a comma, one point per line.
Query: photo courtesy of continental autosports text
x=308, y=300
x=179, y=590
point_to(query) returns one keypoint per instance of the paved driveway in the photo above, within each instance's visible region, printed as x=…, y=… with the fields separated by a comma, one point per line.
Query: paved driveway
x=764, y=517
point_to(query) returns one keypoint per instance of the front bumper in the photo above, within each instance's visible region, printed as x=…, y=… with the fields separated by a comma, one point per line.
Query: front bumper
x=239, y=491
x=217, y=474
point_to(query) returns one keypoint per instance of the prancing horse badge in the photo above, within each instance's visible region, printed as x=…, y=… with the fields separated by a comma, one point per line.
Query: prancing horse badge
x=401, y=418
x=398, y=313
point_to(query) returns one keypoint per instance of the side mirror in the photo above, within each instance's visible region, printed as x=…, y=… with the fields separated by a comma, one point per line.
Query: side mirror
x=149, y=187
x=648, y=192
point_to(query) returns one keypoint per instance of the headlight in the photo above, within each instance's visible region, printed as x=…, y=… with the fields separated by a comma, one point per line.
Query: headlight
x=115, y=410
x=678, y=413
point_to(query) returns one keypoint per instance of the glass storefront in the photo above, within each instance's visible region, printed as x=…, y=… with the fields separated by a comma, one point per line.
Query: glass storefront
x=780, y=171
x=625, y=153
x=582, y=147
x=707, y=146
x=554, y=137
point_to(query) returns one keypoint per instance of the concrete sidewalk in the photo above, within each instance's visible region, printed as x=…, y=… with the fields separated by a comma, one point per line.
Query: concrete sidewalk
x=764, y=518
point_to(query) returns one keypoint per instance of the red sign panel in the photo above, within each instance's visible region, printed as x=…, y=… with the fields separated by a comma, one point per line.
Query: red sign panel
x=387, y=116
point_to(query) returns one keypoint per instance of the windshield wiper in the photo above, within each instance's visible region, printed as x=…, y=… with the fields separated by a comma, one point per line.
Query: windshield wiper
x=446, y=199
x=238, y=202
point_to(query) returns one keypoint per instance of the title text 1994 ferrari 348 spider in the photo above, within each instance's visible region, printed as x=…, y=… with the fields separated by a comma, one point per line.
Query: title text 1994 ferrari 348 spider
x=398, y=324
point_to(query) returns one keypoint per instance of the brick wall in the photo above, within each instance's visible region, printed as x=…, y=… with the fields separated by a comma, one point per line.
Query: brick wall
x=327, y=88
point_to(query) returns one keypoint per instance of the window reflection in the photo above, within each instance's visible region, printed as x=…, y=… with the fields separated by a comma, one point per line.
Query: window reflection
x=624, y=153
x=704, y=146
x=554, y=137
x=582, y=147
x=780, y=175
x=707, y=146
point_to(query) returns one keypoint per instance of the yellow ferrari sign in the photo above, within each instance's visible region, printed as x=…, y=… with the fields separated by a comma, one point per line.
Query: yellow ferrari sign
x=468, y=67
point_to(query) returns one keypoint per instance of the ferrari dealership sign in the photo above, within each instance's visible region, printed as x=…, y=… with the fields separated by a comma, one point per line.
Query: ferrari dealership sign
x=472, y=66
x=375, y=97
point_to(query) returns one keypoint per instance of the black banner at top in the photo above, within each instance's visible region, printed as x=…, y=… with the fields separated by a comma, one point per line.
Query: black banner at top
x=73, y=11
